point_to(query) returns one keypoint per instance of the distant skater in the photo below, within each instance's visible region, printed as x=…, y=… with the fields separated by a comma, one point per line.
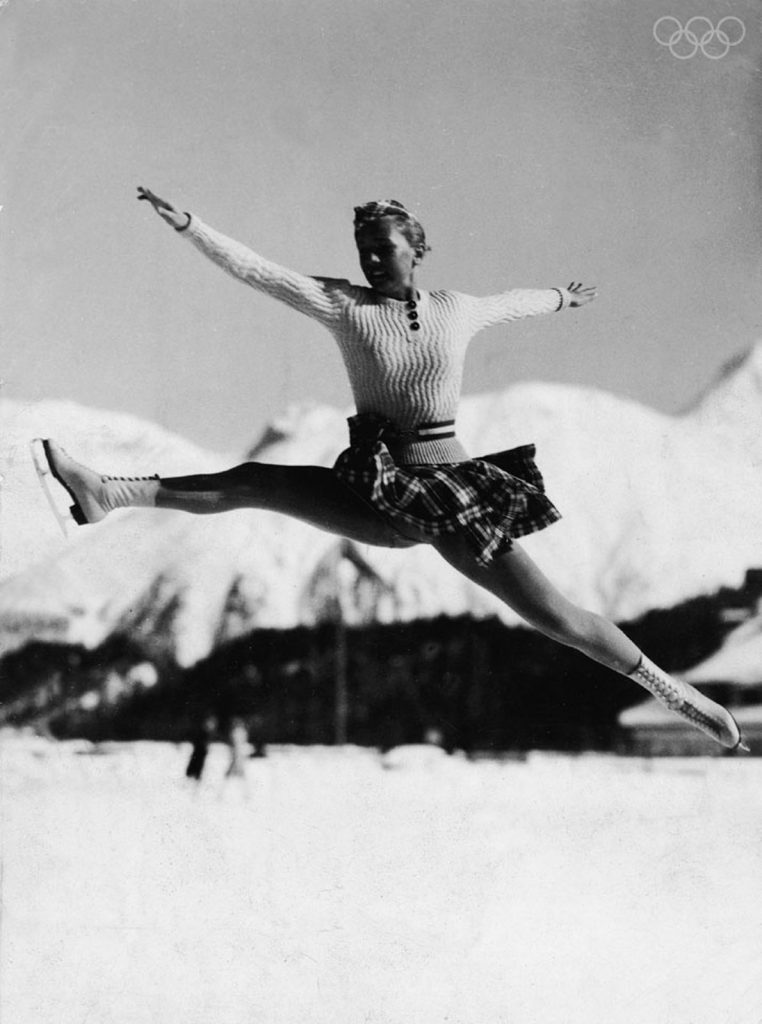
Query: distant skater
x=257, y=738
x=201, y=740
x=238, y=740
x=239, y=748
x=405, y=478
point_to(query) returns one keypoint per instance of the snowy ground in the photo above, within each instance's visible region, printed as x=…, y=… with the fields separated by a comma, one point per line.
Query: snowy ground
x=434, y=891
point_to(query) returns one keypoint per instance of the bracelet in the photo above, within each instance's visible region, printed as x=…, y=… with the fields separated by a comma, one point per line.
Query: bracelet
x=186, y=226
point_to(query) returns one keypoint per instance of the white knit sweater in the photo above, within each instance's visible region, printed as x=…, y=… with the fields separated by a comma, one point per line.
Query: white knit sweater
x=409, y=377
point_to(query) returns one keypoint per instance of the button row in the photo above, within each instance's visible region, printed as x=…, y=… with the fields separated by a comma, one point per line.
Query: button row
x=412, y=315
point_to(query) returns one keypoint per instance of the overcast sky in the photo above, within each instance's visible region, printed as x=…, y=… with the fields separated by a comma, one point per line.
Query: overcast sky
x=539, y=143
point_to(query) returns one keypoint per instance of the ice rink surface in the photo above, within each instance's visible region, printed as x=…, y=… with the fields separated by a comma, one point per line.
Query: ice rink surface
x=343, y=890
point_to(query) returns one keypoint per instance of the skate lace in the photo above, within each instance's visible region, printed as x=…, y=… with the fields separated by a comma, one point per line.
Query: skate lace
x=128, y=479
x=662, y=687
x=678, y=700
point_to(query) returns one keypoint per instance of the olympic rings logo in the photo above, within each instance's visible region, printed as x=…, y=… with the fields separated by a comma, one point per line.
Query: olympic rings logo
x=685, y=42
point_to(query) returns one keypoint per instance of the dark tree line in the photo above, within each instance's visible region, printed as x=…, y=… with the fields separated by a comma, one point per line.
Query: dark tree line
x=476, y=684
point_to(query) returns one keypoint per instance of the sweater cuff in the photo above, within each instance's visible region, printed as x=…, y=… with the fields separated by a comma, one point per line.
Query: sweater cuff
x=186, y=225
x=564, y=299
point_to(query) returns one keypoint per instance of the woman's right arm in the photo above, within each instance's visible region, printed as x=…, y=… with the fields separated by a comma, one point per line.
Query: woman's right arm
x=309, y=295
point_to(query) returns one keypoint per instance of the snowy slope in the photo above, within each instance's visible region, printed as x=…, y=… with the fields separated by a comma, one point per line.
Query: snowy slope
x=657, y=509
x=731, y=407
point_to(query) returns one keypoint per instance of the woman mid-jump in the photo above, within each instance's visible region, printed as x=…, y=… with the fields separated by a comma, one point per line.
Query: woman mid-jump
x=405, y=479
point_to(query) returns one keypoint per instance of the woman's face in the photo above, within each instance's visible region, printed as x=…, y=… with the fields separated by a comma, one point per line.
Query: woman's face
x=387, y=258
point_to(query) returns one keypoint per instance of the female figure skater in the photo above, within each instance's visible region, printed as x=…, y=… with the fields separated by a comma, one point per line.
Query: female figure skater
x=405, y=478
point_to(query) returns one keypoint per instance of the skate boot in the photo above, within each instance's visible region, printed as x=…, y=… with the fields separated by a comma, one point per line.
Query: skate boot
x=94, y=495
x=686, y=701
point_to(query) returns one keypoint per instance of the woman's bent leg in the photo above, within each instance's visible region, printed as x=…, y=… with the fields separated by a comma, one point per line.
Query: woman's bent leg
x=515, y=579
x=312, y=494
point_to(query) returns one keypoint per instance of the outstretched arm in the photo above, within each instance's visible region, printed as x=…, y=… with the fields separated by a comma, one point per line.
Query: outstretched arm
x=310, y=295
x=523, y=302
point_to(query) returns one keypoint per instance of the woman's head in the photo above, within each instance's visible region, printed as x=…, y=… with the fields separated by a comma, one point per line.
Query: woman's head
x=391, y=243
x=405, y=221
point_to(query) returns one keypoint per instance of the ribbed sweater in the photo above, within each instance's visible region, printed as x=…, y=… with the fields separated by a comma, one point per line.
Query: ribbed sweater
x=410, y=377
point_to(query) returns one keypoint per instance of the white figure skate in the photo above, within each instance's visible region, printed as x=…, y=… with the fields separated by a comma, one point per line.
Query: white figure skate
x=687, y=702
x=93, y=494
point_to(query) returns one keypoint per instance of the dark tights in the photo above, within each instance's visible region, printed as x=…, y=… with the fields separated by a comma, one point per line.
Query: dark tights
x=316, y=496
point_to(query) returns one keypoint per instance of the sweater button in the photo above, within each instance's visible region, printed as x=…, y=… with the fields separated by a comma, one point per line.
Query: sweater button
x=415, y=327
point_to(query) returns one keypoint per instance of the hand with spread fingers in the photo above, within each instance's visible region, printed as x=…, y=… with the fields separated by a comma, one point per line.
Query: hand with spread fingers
x=165, y=210
x=581, y=295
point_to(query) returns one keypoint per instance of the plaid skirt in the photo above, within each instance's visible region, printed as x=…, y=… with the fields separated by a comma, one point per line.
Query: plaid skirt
x=489, y=500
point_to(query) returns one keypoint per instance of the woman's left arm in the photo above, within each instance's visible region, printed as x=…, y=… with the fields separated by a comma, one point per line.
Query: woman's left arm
x=523, y=302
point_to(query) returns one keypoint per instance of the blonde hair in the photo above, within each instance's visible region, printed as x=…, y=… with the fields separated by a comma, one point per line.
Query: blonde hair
x=407, y=222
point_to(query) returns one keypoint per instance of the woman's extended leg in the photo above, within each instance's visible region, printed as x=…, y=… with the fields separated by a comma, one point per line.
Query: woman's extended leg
x=515, y=579
x=310, y=493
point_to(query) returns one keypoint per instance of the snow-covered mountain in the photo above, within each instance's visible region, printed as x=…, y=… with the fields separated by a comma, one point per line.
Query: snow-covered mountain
x=731, y=407
x=28, y=532
x=657, y=509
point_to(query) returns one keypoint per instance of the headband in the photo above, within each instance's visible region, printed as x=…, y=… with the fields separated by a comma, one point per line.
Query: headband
x=369, y=212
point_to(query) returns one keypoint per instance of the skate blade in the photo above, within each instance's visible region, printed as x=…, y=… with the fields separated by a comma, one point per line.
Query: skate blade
x=45, y=476
x=741, y=747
